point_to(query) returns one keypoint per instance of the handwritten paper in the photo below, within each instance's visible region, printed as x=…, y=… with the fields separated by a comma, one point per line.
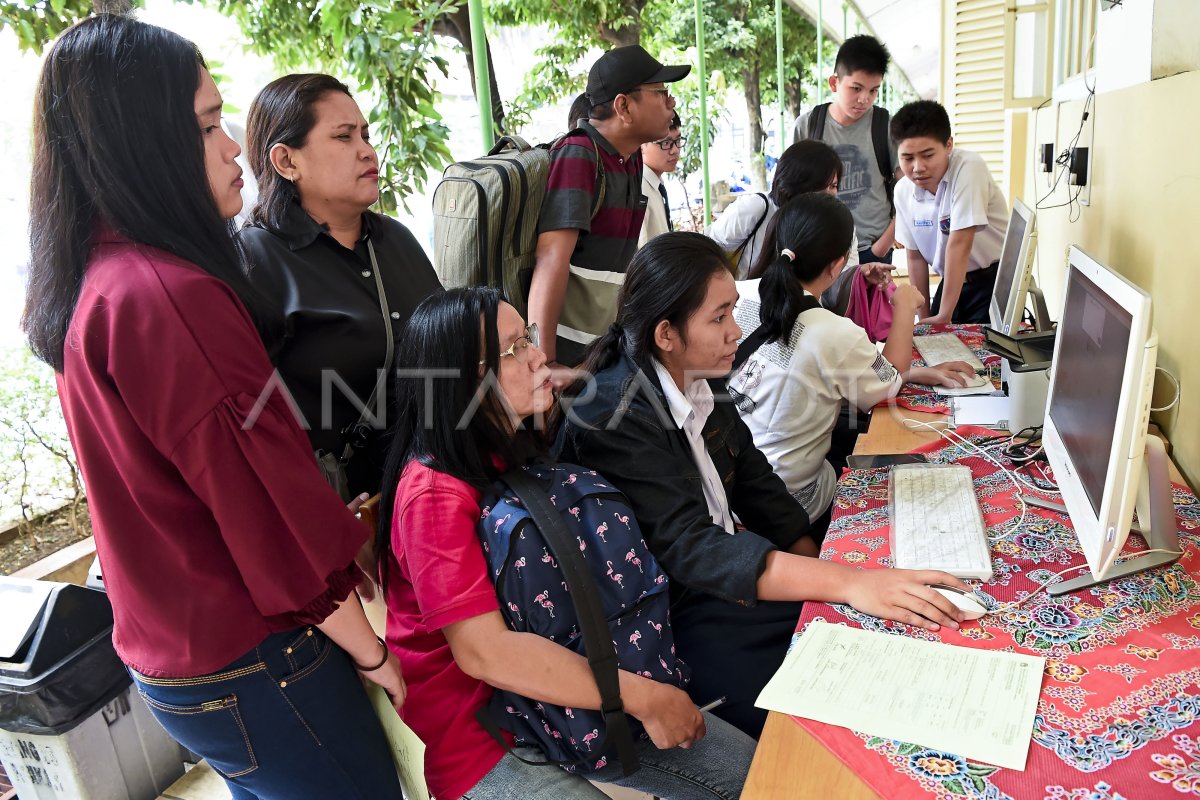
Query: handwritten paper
x=407, y=748
x=978, y=704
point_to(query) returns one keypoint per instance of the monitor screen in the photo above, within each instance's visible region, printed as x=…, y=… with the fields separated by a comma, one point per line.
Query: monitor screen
x=1090, y=364
x=1007, y=306
x=1010, y=257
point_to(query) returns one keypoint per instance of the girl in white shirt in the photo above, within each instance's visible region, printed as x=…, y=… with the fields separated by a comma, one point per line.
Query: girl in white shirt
x=790, y=389
x=807, y=166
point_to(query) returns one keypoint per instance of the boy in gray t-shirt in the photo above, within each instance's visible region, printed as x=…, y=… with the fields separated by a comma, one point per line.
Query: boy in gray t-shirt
x=852, y=129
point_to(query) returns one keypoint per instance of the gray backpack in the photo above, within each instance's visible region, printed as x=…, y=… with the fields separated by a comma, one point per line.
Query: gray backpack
x=485, y=215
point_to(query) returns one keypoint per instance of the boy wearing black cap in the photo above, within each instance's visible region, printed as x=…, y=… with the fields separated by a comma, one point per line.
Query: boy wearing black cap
x=581, y=258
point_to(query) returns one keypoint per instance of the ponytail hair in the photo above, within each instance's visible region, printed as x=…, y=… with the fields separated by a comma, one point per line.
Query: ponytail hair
x=667, y=280
x=816, y=229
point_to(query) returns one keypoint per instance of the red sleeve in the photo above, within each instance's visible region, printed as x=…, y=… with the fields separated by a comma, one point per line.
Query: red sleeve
x=192, y=371
x=434, y=528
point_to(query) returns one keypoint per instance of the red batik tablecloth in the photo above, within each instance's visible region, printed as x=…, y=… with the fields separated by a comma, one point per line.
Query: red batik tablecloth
x=1119, y=715
x=923, y=398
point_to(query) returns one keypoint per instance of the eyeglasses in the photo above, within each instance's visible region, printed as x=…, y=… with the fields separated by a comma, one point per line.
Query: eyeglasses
x=531, y=338
x=665, y=92
x=667, y=144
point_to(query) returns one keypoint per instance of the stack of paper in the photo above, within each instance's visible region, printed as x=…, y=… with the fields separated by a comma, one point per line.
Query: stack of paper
x=978, y=704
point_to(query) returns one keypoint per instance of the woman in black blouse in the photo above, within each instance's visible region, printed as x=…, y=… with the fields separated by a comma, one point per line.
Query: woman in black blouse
x=316, y=251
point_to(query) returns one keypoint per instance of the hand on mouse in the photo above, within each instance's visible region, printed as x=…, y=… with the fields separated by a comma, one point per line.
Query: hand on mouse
x=905, y=595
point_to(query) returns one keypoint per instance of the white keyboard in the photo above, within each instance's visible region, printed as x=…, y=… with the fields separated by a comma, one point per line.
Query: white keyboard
x=942, y=347
x=936, y=521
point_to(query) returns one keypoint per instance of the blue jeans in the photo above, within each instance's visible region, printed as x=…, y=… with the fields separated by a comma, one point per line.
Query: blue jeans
x=712, y=769
x=287, y=721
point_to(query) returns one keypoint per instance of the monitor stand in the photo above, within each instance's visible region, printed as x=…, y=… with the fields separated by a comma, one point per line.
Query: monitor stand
x=1154, y=506
x=1041, y=313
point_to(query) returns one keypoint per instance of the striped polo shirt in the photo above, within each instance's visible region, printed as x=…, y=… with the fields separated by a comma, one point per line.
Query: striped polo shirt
x=606, y=242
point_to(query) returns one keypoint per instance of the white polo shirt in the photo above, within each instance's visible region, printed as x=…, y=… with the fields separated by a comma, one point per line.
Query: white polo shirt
x=690, y=412
x=967, y=197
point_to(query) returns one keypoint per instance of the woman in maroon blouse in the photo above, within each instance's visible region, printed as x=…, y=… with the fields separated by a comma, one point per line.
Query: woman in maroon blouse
x=227, y=559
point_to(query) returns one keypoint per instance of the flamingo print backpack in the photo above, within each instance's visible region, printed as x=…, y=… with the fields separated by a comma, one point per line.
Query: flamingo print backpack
x=570, y=565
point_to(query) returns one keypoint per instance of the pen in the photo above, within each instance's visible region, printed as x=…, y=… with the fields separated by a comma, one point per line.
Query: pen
x=712, y=705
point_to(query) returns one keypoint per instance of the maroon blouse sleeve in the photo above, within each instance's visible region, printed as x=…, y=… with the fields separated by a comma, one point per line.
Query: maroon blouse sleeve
x=194, y=374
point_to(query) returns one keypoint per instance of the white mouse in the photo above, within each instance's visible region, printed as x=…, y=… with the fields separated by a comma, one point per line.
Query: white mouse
x=963, y=601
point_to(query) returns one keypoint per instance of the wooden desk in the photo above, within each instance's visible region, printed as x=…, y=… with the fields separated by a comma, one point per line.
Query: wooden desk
x=789, y=763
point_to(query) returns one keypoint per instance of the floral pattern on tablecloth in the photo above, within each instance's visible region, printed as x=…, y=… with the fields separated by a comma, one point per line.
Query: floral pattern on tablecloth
x=1120, y=707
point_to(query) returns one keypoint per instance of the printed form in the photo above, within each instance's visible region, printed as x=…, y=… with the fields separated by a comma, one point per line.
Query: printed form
x=978, y=704
x=407, y=749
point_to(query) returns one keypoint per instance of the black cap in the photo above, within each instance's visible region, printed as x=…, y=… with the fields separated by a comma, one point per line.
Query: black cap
x=622, y=70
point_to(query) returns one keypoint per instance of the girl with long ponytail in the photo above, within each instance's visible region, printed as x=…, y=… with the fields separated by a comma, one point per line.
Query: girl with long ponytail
x=805, y=360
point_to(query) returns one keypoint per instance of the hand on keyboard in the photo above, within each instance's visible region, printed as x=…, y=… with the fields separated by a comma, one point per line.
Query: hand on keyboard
x=904, y=595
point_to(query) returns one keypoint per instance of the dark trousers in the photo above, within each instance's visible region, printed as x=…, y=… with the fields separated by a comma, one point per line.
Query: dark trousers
x=287, y=721
x=733, y=651
x=850, y=423
x=973, y=300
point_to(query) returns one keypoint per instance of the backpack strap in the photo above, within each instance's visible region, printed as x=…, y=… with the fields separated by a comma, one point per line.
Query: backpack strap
x=601, y=655
x=883, y=151
x=880, y=142
x=741, y=248
x=751, y=343
x=601, y=191
x=511, y=142
x=816, y=120
x=759, y=337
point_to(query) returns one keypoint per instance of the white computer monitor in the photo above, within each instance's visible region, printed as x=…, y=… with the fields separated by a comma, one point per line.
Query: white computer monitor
x=1014, y=271
x=1097, y=413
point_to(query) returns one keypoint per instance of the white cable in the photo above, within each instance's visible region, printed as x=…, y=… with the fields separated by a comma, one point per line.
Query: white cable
x=1178, y=390
x=962, y=440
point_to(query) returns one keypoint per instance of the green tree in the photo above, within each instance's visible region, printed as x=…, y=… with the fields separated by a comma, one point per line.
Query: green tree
x=37, y=22
x=740, y=43
x=387, y=48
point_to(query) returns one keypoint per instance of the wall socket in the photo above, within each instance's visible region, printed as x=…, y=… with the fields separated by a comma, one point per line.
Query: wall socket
x=1046, y=157
x=1078, y=166
x=1081, y=165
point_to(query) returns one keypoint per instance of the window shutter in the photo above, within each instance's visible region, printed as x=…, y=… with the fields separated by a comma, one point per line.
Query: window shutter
x=975, y=79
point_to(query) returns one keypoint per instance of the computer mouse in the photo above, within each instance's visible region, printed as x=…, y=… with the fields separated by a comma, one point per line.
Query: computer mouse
x=963, y=601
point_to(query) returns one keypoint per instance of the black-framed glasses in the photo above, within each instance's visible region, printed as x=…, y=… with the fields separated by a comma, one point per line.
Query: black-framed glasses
x=668, y=143
x=530, y=338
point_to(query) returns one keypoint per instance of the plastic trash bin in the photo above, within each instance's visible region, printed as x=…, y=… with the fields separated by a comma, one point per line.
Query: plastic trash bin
x=71, y=725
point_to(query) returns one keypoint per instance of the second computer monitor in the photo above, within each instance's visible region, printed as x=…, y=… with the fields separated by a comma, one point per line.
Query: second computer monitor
x=1013, y=274
x=1099, y=404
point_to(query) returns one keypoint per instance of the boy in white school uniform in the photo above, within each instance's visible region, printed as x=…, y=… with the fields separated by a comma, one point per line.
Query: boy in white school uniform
x=950, y=215
x=659, y=158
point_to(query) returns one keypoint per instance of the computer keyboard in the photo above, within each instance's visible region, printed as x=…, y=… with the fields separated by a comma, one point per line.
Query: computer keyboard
x=936, y=521
x=942, y=347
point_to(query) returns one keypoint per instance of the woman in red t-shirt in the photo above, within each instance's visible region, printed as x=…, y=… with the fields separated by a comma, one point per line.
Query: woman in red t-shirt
x=227, y=558
x=452, y=437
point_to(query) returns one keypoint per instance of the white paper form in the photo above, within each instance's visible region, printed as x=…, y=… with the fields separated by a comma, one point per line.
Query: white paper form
x=407, y=749
x=978, y=704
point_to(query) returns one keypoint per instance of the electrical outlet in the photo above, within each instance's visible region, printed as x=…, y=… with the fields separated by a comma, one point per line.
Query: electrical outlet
x=1078, y=166
x=1046, y=157
x=1082, y=162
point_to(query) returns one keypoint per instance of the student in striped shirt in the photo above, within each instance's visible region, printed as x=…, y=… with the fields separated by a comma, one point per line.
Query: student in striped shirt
x=593, y=210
